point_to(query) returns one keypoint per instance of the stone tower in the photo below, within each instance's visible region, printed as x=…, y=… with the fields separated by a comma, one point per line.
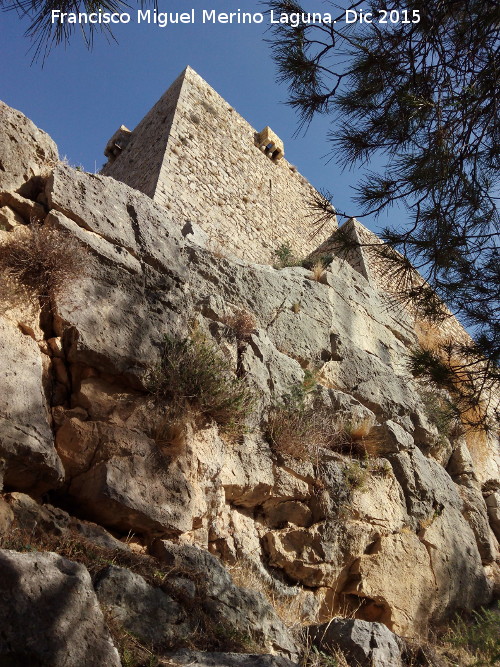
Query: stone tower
x=197, y=157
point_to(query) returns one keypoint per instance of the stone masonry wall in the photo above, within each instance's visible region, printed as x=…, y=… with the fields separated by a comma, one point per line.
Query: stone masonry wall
x=140, y=163
x=213, y=174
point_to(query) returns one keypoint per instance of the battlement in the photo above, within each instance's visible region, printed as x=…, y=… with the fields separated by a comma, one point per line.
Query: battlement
x=197, y=157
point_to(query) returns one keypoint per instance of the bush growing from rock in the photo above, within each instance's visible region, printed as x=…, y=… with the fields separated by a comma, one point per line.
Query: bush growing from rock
x=299, y=429
x=42, y=261
x=194, y=376
x=242, y=322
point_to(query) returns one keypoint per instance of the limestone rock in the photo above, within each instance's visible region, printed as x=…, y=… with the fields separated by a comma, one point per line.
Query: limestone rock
x=476, y=515
x=147, y=612
x=6, y=517
x=26, y=440
x=112, y=211
x=393, y=438
x=199, y=659
x=9, y=219
x=438, y=571
x=366, y=644
x=493, y=505
x=121, y=479
x=105, y=251
x=27, y=209
x=50, y=614
x=39, y=520
x=426, y=485
x=107, y=336
x=26, y=151
x=238, y=608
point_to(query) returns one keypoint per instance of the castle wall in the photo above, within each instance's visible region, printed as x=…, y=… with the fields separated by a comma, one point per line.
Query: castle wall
x=139, y=164
x=212, y=173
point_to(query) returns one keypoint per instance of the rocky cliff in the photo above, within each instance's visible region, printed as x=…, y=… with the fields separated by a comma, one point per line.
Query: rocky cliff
x=202, y=456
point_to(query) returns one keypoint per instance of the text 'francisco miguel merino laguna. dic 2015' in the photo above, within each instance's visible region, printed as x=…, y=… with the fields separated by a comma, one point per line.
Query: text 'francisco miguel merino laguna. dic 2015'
x=295, y=19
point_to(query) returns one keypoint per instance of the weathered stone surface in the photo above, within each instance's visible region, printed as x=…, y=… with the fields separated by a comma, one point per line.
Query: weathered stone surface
x=438, y=571
x=112, y=211
x=493, y=505
x=187, y=657
x=9, y=218
x=50, y=614
x=26, y=440
x=122, y=332
x=27, y=209
x=25, y=150
x=366, y=644
x=337, y=527
x=6, y=517
x=393, y=438
x=238, y=608
x=476, y=515
x=121, y=479
x=426, y=485
x=105, y=251
x=147, y=612
x=39, y=520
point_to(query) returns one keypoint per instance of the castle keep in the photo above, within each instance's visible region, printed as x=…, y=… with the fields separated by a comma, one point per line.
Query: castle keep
x=196, y=156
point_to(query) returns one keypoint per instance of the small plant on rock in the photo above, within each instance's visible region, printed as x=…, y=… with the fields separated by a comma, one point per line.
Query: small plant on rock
x=193, y=375
x=42, y=261
x=285, y=257
x=317, y=272
x=242, y=322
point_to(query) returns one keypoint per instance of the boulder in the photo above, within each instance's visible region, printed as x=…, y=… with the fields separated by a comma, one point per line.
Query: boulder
x=120, y=215
x=493, y=506
x=121, y=479
x=236, y=609
x=27, y=209
x=40, y=520
x=50, y=614
x=475, y=512
x=145, y=611
x=9, y=219
x=365, y=644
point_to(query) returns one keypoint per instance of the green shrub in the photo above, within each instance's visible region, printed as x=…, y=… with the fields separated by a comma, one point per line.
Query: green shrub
x=479, y=636
x=285, y=257
x=193, y=374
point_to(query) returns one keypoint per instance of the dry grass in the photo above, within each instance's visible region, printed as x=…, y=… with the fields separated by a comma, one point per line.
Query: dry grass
x=288, y=607
x=446, y=364
x=318, y=272
x=242, y=322
x=314, y=657
x=42, y=262
x=299, y=432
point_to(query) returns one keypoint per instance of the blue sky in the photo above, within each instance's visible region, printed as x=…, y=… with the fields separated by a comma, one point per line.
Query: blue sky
x=80, y=97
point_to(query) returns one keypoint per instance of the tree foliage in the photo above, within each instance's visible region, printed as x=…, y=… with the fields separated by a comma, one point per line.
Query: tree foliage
x=425, y=98
x=45, y=35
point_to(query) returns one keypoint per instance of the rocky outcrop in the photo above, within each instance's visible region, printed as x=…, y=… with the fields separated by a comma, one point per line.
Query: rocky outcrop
x=50, y=614
x=25, y=152
x=365, y=644
x=385, y=521
x=26, y=442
